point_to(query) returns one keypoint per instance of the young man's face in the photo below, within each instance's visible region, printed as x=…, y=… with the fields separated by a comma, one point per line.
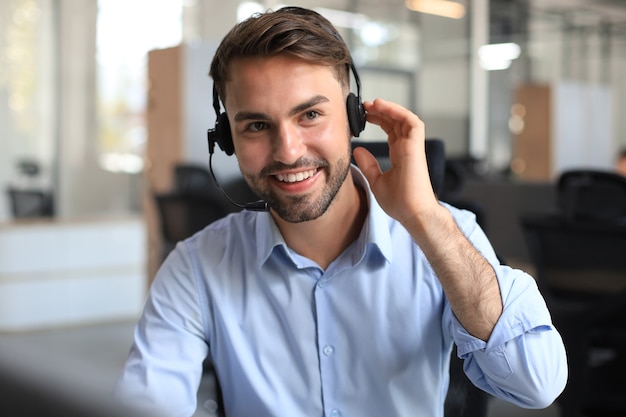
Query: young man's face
x=290, y=131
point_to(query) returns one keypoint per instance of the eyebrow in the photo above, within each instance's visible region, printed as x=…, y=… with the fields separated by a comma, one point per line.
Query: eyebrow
x=244, y=115
x=308, y=104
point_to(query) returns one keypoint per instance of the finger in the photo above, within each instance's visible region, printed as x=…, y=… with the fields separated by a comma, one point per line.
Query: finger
x=367, y=163
x=387, y=108
x=395, y=120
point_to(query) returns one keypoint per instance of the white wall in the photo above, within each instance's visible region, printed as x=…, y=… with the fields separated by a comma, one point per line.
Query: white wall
x=443, y=90
x=583, y=126
x=198, y=113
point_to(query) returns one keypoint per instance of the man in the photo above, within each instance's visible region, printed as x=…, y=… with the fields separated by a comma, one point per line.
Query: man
x=345, y=299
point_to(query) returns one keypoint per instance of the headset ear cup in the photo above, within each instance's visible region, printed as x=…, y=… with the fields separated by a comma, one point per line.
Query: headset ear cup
x=224, y=137
x=356, y=115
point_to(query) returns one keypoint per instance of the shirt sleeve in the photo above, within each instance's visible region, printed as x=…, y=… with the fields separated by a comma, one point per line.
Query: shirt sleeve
x=524, y=360
x=163, y=370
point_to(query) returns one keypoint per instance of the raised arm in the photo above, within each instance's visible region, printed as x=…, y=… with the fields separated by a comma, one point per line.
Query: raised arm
x=405, y=193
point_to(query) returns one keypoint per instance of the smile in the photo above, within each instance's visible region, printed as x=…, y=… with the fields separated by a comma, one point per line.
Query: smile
x=297, y=177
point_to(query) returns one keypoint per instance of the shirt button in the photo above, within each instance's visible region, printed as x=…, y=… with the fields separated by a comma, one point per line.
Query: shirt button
x=329, y=350
x=211, y=406
x=335, y=413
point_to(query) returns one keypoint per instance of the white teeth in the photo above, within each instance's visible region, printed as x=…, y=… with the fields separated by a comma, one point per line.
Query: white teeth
x=300, y=176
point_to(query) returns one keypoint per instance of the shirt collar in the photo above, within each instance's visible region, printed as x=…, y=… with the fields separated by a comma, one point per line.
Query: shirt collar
x=375, y=234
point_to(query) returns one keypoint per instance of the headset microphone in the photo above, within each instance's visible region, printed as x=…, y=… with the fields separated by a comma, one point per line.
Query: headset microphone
x=260, y=205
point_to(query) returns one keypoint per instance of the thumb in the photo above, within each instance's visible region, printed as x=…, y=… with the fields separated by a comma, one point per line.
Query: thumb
x=368, y=164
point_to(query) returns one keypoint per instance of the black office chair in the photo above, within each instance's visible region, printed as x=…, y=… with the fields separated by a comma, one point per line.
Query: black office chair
x=193, y=179
x=182, y=215
x=464, y=399
x=579, y=255
x=194, y=202
x=454, y=179
x=30, y=203
x=435, y=158
x=592, y=195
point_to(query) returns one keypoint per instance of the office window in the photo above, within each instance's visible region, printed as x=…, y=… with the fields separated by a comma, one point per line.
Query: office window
x=126, y=31
x=27, y=71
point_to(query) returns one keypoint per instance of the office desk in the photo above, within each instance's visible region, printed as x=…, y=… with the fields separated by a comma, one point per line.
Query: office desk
x=68, y=272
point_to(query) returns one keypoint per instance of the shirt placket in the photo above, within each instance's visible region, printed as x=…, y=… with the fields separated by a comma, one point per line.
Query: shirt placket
x=327, y=346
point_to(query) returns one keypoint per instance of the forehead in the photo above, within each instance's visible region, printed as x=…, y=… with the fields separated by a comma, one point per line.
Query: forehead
x=266, y=77
x=258, y=66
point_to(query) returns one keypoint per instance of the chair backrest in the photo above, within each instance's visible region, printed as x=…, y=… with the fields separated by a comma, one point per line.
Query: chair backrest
x=192, y=179
x=195, y=201
x=580, y=248
x=576, y=257
x=592, y=195
x=30, y=203
x=182, y=215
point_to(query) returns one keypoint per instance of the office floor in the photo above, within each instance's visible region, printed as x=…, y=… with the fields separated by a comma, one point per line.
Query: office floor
x=85, y=361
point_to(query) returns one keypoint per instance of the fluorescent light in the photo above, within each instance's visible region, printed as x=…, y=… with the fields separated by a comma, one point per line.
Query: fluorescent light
x=374, y=34
x=508, y=51
x=498, y=56
x=442, y=8
x=495, y=65
x=342, y=18
x=120, y=162
x=247, y=9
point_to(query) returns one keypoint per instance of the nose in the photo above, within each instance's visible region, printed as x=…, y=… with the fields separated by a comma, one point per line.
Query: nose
x=288, y=146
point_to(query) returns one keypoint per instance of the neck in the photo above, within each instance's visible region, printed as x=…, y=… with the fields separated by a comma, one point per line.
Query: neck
x=325, y=238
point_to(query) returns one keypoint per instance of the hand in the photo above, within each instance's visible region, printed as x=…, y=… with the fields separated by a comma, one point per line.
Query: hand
x=404, y=191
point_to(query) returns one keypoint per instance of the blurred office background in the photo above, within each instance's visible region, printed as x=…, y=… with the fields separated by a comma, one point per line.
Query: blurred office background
x=519, y=91
x=74, y=86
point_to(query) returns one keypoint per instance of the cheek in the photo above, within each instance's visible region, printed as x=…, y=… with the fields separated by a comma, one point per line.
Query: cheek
x=251, y=158
x=338, y=140
x=335, y=135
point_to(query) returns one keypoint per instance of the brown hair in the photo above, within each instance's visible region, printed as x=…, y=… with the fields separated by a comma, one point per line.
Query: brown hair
x=300, y=32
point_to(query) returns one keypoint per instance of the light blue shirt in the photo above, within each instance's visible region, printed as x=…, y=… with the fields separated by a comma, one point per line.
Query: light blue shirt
x=369, y=336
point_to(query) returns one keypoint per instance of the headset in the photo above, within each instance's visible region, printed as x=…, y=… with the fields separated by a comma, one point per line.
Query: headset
x=221, y=133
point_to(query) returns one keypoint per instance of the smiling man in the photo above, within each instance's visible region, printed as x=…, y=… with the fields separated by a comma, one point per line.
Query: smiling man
x=347, y=296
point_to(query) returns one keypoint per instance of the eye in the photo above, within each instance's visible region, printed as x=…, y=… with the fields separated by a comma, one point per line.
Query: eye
x=311, y=115
x=257, y=126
